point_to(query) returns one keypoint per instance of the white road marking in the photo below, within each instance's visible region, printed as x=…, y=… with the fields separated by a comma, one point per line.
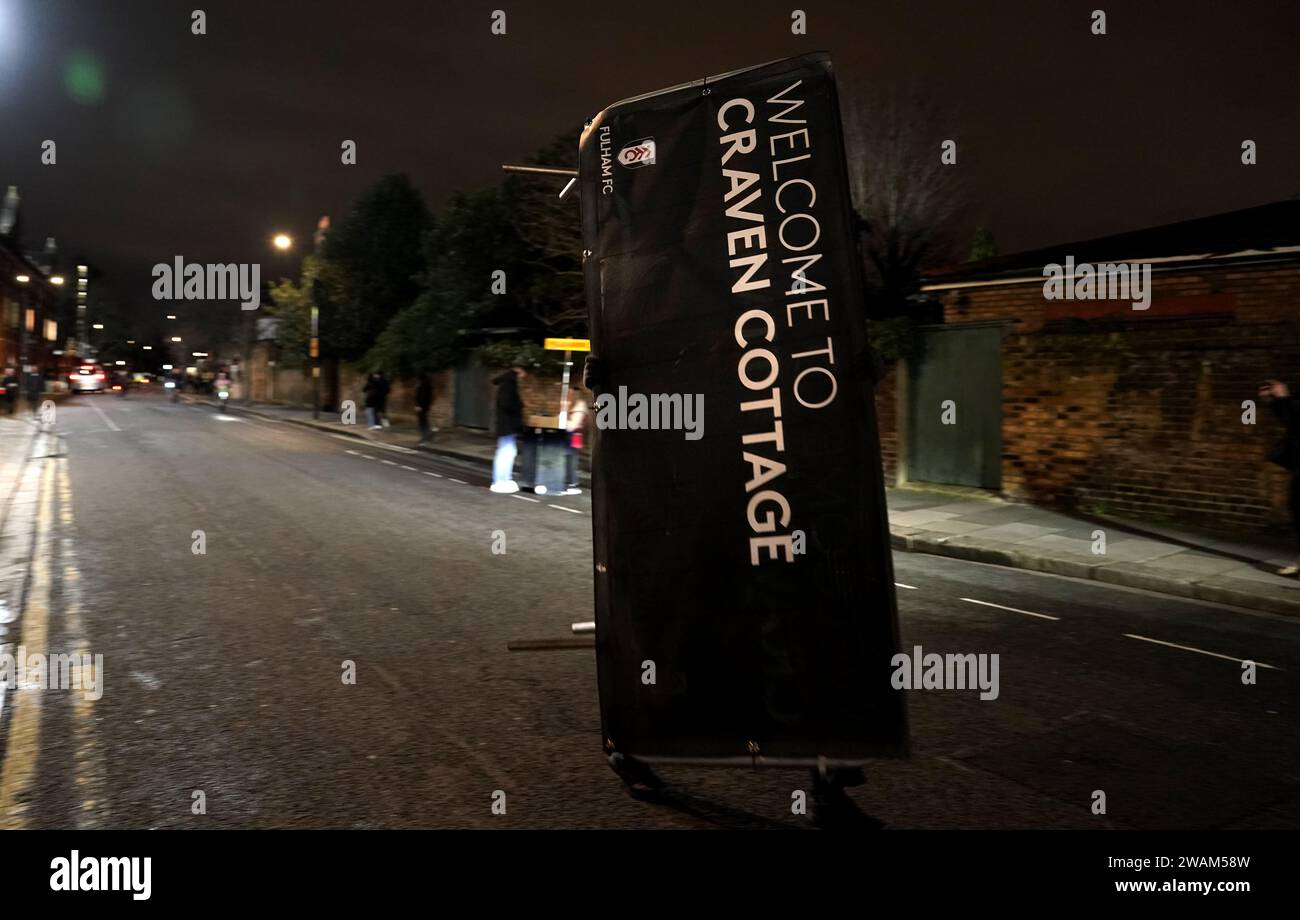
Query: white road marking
x=1200, y=651
x=394, y=447
x=367, y=457
x=562, y=508
x=380, y=444
x=355, y=453
x=411, y=468
x=388, y=462
x=226, y=418
x=1028, y=613
x=525, y=498
x=107, y=421
x=434, y=475
x=461, y=481
x=899, y=584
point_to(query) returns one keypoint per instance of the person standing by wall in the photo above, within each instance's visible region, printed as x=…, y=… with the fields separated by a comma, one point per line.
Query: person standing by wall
x=1287, y=452
x=576, y=423
x=9, y=383
x=510, y=421
x=423, y=400
x=373, y=399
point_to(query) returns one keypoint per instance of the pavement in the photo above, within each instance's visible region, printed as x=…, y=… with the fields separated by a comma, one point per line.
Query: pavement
x=234, y=570
x=977, y=526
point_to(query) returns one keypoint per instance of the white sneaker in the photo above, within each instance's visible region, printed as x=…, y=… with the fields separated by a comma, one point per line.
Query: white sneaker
x=573, y=491
x=374, y=427
x=508, y=485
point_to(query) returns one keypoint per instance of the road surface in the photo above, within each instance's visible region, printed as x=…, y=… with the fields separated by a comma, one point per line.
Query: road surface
x=222, y=677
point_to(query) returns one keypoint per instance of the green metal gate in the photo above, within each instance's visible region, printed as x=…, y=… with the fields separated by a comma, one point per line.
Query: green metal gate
x=954, y=407
x=474, y=394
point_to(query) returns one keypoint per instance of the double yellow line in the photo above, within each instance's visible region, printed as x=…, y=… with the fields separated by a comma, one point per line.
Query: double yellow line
x=18, y=771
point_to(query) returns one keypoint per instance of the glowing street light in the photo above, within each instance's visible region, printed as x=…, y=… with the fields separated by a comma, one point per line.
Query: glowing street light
x=56, y=279
x=282, y=241
x=98, y=326
x=22, y=279
x=176, y=338
x=171, y=315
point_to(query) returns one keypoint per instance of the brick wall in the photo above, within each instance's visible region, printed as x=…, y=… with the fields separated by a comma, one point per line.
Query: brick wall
x=293, y=386
x=1144, y=417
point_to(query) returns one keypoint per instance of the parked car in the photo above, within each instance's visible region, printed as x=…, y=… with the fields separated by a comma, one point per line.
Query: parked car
x=88, y=378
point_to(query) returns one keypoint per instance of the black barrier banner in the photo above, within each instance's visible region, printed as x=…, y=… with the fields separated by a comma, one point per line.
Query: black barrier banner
x=744, y=589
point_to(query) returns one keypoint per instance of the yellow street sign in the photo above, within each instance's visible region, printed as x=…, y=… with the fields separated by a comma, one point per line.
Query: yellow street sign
x=567, y=345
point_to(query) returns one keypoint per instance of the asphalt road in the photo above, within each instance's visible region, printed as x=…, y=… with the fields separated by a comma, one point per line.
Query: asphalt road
x=222, y=671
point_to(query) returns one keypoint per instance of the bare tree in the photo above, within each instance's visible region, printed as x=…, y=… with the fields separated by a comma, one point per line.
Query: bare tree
x=552, y=229
x=906, y=198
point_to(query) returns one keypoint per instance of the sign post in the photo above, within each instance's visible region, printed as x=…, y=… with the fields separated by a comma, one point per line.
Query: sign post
x=568, y=346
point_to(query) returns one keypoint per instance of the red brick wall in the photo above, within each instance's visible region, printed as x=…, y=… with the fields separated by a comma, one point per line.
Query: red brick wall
x=1144, y=418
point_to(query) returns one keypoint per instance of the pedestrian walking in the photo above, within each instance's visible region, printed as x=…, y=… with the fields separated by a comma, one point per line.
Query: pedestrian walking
x=35, y=386
x=1287, y=452
x=510, y=421
x=9, y=386
x=423, y=401
x=576, y=423
x=376, y=393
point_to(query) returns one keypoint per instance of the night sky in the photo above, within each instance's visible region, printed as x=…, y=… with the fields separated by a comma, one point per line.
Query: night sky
x=205, y=145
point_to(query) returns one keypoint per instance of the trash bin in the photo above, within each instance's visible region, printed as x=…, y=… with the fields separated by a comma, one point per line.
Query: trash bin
x=542, y=456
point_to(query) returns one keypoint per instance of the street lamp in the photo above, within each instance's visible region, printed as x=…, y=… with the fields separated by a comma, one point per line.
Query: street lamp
x=282, y=241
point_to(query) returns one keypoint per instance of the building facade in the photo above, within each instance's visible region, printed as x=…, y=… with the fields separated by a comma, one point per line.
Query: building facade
x=1102, y=402
x=29, y=327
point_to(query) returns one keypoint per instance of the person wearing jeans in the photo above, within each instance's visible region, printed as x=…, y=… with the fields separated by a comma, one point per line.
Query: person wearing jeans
x=510, y=421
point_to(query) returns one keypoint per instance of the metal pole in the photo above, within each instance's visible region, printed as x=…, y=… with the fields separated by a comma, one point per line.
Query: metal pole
x=540, y=171
x=564, y=393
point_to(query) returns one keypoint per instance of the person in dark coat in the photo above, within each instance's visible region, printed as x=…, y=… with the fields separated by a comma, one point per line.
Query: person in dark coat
x=1287, y=452
x=510, y=421
x=423, y=400
x=35, y=387
x=10, y=385
x=376, y=393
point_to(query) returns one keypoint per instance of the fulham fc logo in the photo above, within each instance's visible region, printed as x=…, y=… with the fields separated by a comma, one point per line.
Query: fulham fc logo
x=638, y=153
